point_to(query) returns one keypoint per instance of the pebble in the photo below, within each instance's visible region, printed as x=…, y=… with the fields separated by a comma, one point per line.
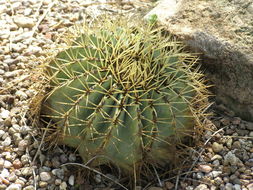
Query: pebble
x=3, y=9
x=57, y=182
x=217, y=147
x=45, y=176
x=58, y=172
x=43, y=184
x=237, y=187
x=22, y=145
x=7, y=141
x=205, y=168
x=14, y=187
x=7, y=164
x=12, y=177
x=231, y=159
x=17, y=164
x=25, y=159
x=27, y=11
x=98, y=178
x=229, y=186
x=250, y=186
x=4, y=113
x=71, y=180
x=202, y=187
x=215, y=174
x=27, y=171
x=63, y=185
x=30, y=187
x=24, y=22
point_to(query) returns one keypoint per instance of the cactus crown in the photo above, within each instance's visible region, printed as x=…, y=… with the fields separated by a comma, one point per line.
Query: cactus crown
x=125, y=92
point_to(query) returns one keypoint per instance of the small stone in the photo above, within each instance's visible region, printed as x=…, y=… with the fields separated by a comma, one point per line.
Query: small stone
x=4, y=114
x=63, y=158
x=45, y=176
x=231, y=159
x=11, y=74
x=12, y=177
x=71, y=180
x=98, y=178
x=7, y=164
x=57, y=182
x=3, y=187
x=43, y=184
x=27, y=11
x=7, y=141
x=205, y=168
x=14, y=187
x=199, y=175
x=236, y=145
x=216, y=163
x=17, y=164
x=59, y=173
x=217, y=147
x=22, y=145
x=3, y=9
x=215, y=174
x=229, y=142
x=27, y=171
x=24, y=22
x=63, y=185
x=202, y=187
x=249, y=126
x=237, y=187
x=72, y=157
x=30, y=187
x=250, y=186
x=250, y=8
x=229, y=186
x=251, y=134
x=5, y=173
x=25, y=159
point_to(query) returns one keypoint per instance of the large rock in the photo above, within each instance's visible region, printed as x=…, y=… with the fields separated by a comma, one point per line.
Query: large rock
x=222, y=31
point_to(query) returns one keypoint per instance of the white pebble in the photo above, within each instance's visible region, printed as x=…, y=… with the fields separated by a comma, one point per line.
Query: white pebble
x=24, y=22
x=7, y=141
x=45, y=176
x=14, y=187
x=4, y=114
x=71, y=180
x=7, y=164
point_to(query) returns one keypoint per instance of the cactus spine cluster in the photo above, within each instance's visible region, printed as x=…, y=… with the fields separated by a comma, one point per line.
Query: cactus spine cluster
x=124, y=92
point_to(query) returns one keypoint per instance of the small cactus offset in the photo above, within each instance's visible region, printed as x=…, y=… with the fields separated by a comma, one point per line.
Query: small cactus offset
x=124, y=92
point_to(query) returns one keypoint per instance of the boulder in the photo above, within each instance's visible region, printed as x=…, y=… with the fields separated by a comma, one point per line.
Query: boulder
x=222, y=31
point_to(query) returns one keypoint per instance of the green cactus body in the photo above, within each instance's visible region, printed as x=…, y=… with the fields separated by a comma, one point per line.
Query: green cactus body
x=126, y=93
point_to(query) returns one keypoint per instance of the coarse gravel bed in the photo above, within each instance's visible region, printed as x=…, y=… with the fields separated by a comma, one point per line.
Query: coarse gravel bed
x=27, y=29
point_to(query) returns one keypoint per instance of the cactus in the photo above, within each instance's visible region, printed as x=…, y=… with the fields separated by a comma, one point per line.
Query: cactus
x=127, y=93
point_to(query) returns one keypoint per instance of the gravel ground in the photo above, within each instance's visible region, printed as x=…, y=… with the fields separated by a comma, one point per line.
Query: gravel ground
x=27, y=29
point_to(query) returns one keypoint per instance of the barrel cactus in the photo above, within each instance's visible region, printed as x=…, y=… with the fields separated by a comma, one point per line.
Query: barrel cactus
x=125, y=92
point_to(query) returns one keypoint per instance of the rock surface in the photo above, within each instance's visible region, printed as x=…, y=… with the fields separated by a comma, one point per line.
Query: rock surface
x=222, y=31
